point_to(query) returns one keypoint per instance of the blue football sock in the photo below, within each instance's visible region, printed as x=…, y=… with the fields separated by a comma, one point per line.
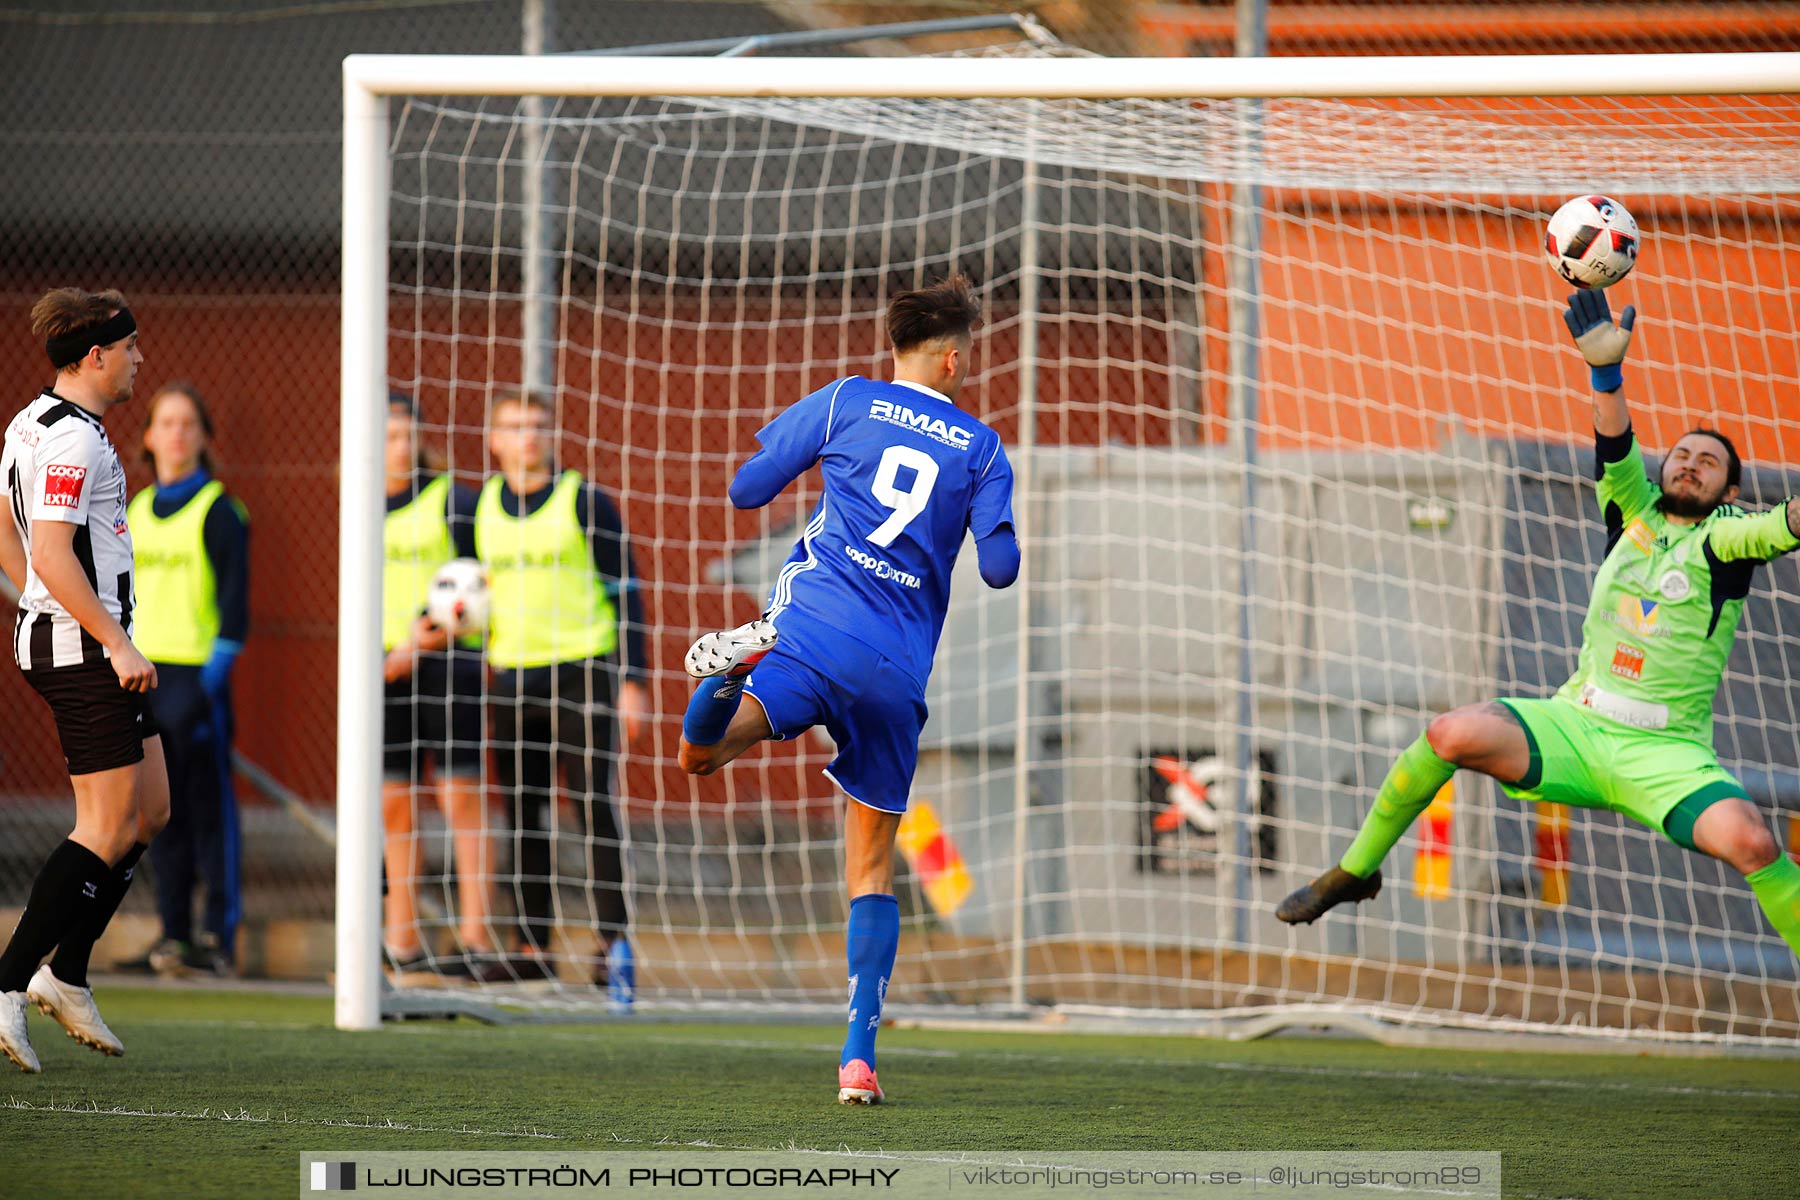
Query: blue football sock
x=869, y=944
x=709, y=713
x=621, y=973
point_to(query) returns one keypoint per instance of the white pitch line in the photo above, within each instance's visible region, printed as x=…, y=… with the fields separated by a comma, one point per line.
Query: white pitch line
x=1163, y=1064
x=92, y=1109
x=808, y=1047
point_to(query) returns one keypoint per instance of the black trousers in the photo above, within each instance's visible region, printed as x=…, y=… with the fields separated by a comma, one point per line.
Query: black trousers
x=201, y=840
x=544, y=718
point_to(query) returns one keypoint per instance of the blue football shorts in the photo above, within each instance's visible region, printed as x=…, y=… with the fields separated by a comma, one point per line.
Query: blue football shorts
x=872, y=709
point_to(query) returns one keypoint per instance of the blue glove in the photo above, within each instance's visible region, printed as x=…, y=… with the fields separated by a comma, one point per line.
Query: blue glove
x=1601, y=343
x=215, y=672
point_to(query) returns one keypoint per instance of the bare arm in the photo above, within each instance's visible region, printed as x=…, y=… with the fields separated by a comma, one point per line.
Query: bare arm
x=1612, y=416
x=634, y=711
x=12, y=556
x=53, y=558
x=401, y=659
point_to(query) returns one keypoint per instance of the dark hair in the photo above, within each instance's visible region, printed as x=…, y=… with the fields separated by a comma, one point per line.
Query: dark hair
x=1734, y=466
x=426, y=459
x=183, y=388
x=64, y=311
x=945, y=309
x=524, y=399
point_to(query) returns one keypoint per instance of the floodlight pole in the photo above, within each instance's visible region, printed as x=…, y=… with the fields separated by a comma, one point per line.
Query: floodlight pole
x=538, y=307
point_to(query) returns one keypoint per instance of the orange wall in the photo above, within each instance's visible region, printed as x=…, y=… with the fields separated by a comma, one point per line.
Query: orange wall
x=1380, y=27
x=1378, y=325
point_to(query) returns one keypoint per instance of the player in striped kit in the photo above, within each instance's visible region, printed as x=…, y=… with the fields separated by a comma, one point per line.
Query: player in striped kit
x=68, y=550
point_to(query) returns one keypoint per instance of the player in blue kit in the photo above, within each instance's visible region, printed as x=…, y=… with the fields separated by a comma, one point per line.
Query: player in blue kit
x=854, y=618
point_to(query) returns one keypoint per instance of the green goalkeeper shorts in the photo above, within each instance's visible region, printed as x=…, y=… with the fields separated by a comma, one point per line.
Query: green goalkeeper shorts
x=1581, y=758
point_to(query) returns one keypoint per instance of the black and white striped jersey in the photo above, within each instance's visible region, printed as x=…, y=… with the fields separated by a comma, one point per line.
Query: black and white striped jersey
x=59, y=465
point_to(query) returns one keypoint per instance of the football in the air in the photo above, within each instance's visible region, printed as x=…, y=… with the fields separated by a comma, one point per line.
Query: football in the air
x=459, y=599
x=1592, y=241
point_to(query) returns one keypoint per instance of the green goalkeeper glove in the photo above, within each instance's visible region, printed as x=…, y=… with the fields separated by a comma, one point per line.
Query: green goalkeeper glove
x=1601, y=342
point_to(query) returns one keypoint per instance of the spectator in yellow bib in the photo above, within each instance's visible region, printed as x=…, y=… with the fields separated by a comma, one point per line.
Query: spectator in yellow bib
x=566, y=644
x=192, y=541
x=431, y=725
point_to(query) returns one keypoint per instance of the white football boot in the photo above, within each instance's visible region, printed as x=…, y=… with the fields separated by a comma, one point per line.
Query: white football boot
x=13, y=1042
x=731, y=652
x=73, y=1008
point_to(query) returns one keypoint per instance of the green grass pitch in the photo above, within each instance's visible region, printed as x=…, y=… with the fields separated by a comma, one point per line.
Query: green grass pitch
x=222, y=1090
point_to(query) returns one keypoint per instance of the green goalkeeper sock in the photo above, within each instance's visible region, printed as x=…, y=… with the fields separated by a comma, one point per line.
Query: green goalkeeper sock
x=1404, y=794
x=1777, y=888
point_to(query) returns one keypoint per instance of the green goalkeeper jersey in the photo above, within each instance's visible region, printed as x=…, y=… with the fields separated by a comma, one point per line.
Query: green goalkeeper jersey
x=1666, y=604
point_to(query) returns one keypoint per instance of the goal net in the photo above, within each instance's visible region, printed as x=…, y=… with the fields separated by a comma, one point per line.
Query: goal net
x=1304, y=457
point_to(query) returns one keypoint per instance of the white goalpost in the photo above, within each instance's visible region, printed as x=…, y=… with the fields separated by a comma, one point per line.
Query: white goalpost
x=1303, y=458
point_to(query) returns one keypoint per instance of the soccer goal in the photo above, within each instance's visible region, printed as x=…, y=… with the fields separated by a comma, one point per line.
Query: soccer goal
x=1303, y=458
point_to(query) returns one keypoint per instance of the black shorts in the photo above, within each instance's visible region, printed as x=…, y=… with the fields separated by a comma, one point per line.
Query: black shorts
x=434, y=715
x=100, y=724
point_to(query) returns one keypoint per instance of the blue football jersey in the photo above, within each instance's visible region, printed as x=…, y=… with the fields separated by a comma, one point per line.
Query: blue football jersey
x=906, y=475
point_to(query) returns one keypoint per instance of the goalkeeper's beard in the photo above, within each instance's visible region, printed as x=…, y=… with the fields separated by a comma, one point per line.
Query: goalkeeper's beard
x=1690, y=506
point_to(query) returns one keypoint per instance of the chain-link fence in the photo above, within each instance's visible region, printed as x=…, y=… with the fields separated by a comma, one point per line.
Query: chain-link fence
x=187, y=151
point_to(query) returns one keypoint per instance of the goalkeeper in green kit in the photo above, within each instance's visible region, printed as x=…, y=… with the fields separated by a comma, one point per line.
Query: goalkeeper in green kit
x=1632, y=729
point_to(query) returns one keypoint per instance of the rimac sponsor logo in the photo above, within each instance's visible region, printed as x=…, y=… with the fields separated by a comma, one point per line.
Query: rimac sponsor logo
x=62, y=485
x=935, y=428
x=333, y=1177
x=881, y=568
